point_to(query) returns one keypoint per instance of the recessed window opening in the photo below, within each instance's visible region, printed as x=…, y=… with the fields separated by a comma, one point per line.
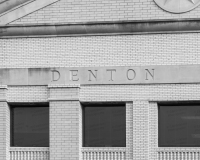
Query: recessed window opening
x=179, y=125
x=29, y=125
x=104, y=125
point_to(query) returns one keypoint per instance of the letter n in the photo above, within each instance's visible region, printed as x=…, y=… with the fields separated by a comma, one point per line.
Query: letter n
x=149, y=74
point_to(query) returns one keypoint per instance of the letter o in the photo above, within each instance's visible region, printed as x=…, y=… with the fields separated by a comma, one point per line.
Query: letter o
x=130, y=74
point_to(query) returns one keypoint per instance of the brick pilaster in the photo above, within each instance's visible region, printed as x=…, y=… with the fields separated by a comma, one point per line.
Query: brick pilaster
x=140, y=130
x=153, y=130
x=4, y=125
x=129, y=131
x=64, y=122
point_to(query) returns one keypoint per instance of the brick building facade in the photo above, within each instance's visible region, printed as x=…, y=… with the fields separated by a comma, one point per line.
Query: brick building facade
x=97, y=34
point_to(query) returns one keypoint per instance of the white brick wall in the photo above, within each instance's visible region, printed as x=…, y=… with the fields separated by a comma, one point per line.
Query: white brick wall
x=64, y=130
x=140, y=130
x=124, y=50
x=64, y=93
x=66, y=11
x=153, y=130
x=27, y=94
x=4, y=127
x=165, y=92
x=64, y=124
x=7, y=119
x=65, y=115
x=129, y=131
x=127, y=50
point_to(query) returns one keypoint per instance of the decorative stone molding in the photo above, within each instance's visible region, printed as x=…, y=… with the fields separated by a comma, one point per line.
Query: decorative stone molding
x=24, y=10
x=7, y=6
x=116, y=153
x=3, y=87
x=178, y=153
x=29, y=153
x=177, y=6
x=100, y=28
x=3, y=91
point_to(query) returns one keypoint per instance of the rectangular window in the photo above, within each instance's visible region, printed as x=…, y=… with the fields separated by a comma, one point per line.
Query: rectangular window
x=104, y=125
x=179, y=125
x=30, y=125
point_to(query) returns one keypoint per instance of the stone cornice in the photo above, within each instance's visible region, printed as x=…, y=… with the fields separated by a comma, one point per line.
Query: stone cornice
x=21, y=10
x=101, y=28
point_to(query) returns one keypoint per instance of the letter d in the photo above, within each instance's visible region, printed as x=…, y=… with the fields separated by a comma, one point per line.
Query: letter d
x=55, y=75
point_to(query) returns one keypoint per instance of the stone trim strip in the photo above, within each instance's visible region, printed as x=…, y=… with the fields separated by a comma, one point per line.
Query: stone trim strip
x=100, y=28
x=64, y=86
x=3, y=100
x=24, y=10
x=3, y=91
x=102, y=149
x=3, y=87
x=178, y=149
x=29, y=148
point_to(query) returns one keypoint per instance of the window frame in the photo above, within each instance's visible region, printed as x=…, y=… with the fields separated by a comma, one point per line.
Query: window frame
x=100, y=104
x=170, y=104
x=26, y=105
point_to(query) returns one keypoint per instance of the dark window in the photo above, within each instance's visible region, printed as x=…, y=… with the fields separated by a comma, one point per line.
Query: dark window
x=104, y=125
x=179, y=126
x=29, y=125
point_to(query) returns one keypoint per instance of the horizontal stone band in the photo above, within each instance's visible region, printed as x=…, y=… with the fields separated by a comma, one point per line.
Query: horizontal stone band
x=100, y=28
x=101, y=75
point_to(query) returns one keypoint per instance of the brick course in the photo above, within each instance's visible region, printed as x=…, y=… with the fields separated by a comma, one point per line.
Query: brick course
x=124, y=50
x=165, y=92
x=27, y=94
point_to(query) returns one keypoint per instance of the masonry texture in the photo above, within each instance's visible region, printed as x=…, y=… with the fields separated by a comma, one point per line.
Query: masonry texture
x=4, y=123
x=64, y=124
x=129, y=50
x=129, y=131
x=65, y=101
x=101, y=10
x=64, y=128
x=27, y=94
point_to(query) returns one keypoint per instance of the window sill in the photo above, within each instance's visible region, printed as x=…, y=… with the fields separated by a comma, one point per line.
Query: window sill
x=178, y=149
x=103, y=149
x=29, y=149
